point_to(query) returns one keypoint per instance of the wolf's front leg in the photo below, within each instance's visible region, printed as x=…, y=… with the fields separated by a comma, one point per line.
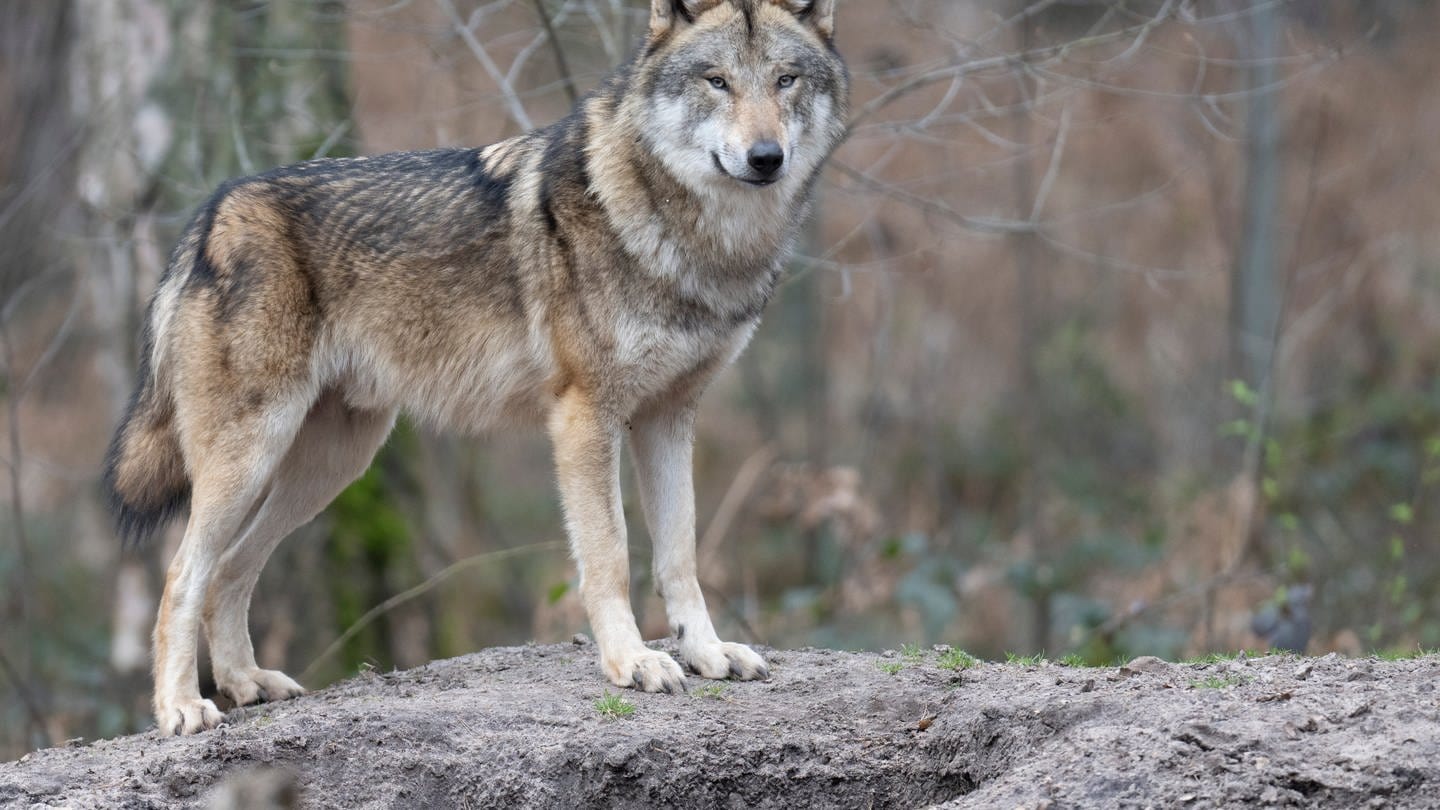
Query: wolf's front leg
x=662, y=443
x=587, y=451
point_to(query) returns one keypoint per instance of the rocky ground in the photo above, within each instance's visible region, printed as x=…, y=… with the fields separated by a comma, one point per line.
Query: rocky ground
x=520, y=727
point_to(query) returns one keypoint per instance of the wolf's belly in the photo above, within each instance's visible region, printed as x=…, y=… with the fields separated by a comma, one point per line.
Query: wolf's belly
x=458, y=380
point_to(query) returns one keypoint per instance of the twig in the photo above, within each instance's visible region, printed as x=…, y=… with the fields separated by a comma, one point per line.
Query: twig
x=560, y=63
x=924, y=80
x=330, y=140
x=728, y=605
x=23, y=689
x=23, y=572
x=1204, y=589
x=1254, y=449
x=981, y=224
x=507, y=90
x=1160, y=16
x=735, y=496
x=1030, y=58
x=419, y=590
x=237, y=135
x=1053, y=170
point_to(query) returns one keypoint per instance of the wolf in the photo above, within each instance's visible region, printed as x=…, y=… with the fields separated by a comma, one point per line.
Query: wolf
x=589, y=278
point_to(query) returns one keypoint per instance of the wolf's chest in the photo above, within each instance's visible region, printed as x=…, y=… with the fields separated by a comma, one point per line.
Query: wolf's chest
x=652, y=355
x=647, y=347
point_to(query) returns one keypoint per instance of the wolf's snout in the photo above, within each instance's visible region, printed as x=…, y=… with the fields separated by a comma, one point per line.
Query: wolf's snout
x=766, y=158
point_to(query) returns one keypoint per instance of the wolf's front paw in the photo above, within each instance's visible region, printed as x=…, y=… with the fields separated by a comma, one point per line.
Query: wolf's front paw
x=723, y=659
x=646, y=670
x=186, y=717
x=256, y=685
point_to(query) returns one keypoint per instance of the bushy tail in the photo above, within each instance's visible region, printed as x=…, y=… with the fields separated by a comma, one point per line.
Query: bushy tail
x=145, y=476
x=144, y=470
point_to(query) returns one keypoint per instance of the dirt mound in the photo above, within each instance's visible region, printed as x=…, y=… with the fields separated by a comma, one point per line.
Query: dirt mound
x=519, y=727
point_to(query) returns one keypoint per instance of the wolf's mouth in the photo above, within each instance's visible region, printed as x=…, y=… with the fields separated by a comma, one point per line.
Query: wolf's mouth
x=720, y=167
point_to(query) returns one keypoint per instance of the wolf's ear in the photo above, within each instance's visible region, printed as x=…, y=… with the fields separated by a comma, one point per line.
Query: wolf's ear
x=671, y=15
x=818, y=14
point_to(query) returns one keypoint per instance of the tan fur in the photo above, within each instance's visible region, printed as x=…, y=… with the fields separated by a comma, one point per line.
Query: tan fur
x=591, y=277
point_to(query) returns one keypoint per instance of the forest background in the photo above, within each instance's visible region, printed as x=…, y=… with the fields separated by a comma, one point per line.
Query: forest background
x=1117, y=326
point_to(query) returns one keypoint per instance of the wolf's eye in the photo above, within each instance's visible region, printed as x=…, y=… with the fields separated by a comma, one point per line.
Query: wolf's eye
x=786, y=81
x=718, y=83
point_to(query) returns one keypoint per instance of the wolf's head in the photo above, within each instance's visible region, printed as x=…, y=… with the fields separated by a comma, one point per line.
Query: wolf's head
x=742, y=93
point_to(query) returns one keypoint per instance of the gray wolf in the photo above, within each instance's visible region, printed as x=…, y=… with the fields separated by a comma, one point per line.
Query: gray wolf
x=590, y=278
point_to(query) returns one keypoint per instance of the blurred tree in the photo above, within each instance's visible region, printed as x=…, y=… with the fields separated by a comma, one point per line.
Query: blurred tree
x=1255, y=291
x=37, y=146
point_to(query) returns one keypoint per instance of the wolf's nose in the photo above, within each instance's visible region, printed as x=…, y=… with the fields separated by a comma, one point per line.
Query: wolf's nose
x=766, y=158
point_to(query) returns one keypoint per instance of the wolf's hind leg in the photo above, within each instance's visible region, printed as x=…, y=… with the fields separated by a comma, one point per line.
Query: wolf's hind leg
x=234, y=458
x=334, y=447
x=587, y=459
x=662, y=442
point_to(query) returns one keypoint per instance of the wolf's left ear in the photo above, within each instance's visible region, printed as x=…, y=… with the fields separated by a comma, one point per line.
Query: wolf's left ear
x=818, y=14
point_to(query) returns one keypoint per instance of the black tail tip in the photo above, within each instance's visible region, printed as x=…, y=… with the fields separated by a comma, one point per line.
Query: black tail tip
x=136, y=525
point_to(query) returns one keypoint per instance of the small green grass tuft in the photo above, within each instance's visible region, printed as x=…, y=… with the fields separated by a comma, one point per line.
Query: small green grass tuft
x=889, y=667
x=712, y=690
x=614, y=707
x=957, y=660
x=1074, y=660
x=912, y=652
x=1217, y=682
x=1212, y=658
x=1024, y=660
x=1403, y=654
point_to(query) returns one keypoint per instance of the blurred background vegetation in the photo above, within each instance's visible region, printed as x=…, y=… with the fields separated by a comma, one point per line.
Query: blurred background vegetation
x=1117, y=328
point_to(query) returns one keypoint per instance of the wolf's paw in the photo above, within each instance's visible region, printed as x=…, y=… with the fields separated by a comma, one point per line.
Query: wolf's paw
x=256, y=685
x=646, y=670
x=186, y=717
x=723, y=659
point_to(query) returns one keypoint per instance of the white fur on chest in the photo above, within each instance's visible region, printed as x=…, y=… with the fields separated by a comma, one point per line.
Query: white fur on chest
x=652, y=356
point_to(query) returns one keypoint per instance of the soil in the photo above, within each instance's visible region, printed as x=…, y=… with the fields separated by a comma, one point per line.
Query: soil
x=519, y=727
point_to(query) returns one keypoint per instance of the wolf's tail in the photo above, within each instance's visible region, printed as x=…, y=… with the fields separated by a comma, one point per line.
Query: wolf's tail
x=145, y=477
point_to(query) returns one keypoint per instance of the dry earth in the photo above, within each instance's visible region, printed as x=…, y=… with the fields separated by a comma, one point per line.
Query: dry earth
x=518, y=727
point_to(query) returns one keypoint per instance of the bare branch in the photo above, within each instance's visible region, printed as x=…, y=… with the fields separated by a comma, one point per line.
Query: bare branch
x=32, y=706
x=980, y=224
x=560, y=63
x=740, y=489
x=507, y=89
x=1053, y=170
x=419, y=590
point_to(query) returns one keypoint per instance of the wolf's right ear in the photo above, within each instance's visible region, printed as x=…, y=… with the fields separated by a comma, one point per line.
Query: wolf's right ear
x=818, y=14
x=670, y=15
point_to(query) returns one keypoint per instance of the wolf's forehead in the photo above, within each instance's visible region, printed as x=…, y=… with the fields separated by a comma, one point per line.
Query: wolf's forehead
x=762, y=28
x=733, y=43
